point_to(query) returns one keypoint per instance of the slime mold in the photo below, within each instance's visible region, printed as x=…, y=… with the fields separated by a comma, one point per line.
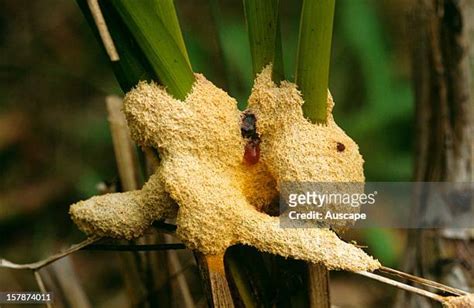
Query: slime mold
x=203, y=179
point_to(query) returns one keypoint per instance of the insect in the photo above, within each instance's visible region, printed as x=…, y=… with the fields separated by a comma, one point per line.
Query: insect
x=248, y=129
x=252, y=151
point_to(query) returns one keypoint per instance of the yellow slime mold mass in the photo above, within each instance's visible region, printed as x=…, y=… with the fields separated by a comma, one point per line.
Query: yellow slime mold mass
x=295, y=149
x=299, y=152
x=218, y=195
x=466, y=301
x=124, y=215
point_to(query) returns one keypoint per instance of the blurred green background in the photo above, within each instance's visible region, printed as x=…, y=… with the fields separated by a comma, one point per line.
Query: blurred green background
x=55, y=145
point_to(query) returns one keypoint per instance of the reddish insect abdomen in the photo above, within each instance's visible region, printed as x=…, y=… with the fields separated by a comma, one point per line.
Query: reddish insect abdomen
x=252, y=153
x=248, y=129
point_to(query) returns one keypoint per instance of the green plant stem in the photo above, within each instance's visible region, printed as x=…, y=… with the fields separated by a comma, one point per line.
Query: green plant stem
x=264, y=34
x=312, y=78
x=314, y=52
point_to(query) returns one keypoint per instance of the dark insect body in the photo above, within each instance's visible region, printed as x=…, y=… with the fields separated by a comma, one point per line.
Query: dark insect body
x=248, y=129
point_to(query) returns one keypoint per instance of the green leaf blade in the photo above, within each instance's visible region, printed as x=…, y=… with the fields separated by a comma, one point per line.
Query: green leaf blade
x=158, y=45
x=132, y=66
x=166, y=11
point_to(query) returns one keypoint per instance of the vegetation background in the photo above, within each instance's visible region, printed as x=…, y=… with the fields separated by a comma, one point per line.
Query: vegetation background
x=55, y=146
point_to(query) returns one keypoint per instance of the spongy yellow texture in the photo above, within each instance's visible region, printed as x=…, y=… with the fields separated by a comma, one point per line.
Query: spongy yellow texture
x=202, y=160
x=206, y=128
x=201, y=134
x=298, y=151
x=124, y=215
x=218, y=195
x=466, y=301
x=295, y=149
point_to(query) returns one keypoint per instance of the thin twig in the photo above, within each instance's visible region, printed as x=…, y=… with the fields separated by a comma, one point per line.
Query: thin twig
x=41, y=285
x=176, y=272
x=103, y=30
x=403, y=286
x=183, y=269
x=423, y=281
x=40, y=264
x=143, y=247
x=127, y=166
x=65, y=284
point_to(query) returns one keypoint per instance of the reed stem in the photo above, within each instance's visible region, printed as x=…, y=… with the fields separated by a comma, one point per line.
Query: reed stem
x=264, y=34
x=313, y=56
